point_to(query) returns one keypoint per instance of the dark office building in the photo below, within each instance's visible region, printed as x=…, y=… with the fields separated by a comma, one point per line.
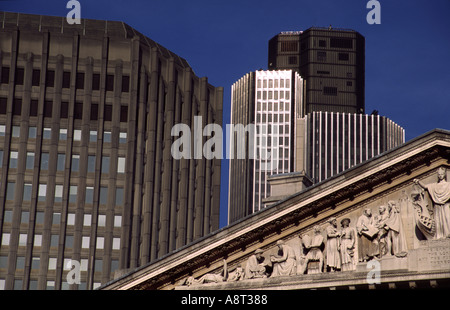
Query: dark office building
x=330, y=60
x=86, y=170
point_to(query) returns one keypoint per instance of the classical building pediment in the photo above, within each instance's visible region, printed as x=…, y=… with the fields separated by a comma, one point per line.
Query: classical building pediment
x=383, y=223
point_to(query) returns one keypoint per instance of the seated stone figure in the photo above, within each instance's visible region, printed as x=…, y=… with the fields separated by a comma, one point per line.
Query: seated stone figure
x=285, y=263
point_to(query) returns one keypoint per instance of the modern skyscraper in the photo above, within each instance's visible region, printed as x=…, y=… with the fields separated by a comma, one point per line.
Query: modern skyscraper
x=338, y=141
x=269, y=101
x=325, y=130
x=331, y=60
x=86, y=171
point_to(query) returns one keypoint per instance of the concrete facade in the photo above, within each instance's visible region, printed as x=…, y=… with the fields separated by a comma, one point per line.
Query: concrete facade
x=86, y=113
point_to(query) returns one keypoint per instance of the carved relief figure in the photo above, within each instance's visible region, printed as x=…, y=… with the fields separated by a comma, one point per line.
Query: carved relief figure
x=347, y=245
x=333, y=255
x=391, y=230
x=314, y=247
x=284, y=264
x=367, y=236
x=256, y=268
x=382, y=231
x=440, y=194
x=236, y=275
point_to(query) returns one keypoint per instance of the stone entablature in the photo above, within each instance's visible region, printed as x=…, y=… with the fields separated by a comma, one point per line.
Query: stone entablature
x=318, y=235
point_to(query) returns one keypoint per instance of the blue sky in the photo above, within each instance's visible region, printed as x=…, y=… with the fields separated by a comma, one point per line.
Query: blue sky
x=407, y=55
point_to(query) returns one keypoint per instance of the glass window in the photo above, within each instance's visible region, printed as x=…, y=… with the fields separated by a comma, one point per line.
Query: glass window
x=61, y=162
x=58, y=193
x=37, y=240
x=87, y=220
x=77, y=135
x=44, y=161
x=121, y=165
x=116, y=244
x=85, y=242
x=102, y=220
x=93, y=136
x=25, y=217
x=13, y=157
x=10, y=188
x=71, y=219
x=27, y=191
x=91, y=163
x=105, y=164
x=47, y=133
x=63, y=134
x=89, y=194
x=54, y=239
x=117, y=220
x=73, y=193
x=119, y=196
x=35, y=263
x=22, y=239
x=20, y=263
x=56, y=218
x=100, y=243
x=16, y=131
x=40, y=217
x=8, y=216
x=75, y=162
x=103, y=195
x=2, y=130
x=69, y=241
x=6, y=238
x=30, y=160
x=4, y=261
x=32, y=131
x=52, y=262
x=107, y=136
x=1, y=158
x=123, y=137
x=42, y=192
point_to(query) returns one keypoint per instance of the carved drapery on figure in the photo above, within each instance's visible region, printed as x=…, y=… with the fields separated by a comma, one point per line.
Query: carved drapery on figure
x=347, y=246
x=285, y=263
x=313, y=261
x=333, y=255
x=367, y=236
x=440, y=195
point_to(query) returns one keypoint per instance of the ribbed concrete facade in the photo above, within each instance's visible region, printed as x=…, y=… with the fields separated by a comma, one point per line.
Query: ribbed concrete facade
x=339, y=141
x=86, y=113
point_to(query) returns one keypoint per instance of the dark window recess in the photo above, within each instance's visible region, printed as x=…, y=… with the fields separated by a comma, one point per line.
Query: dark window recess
x=94, y=111
x=125, y=83
x=341, y=43
x=79, y=83
x=19, y=76
x=48, y=106
x=331, y=91
x=322, y=43
x=343, y=56
x=96, y=81
x=33, y=108
x=349, y=83
x=78, y=112
x=303, y=46
x=349, y=74
x=64, y=112
x=321, y=56
x=323, y=72
x=66, y=80
x=109, y=82
x=292, y=60
x=36, y=77
x=17, y=106
x=289, y=46
x=123, y=113
x=5, y=75
x=3, y=103
x=50, y=78
x=108, y=112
